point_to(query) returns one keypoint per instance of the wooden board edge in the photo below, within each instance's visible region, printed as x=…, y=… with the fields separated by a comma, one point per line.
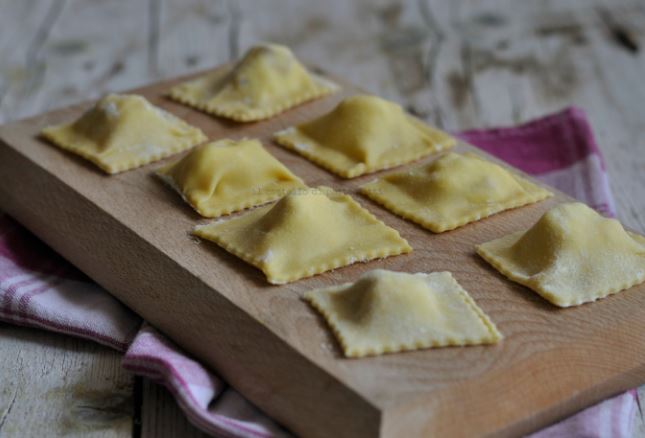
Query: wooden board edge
x=405, y=419
x=378, y=415
x=318, y=398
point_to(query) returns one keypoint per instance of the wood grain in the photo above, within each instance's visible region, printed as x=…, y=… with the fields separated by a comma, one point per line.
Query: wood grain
x=86, y=394
x=52, y=384
x=129, y=230
x=459, y=64
x=162, y=418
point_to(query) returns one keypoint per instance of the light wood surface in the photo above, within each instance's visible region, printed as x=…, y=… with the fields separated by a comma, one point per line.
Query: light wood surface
x=129, y=233
x=86, y=394
x=459, y=64
x=161, y=415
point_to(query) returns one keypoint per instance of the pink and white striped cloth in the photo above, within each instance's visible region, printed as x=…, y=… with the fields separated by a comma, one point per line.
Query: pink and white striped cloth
x=40, y=289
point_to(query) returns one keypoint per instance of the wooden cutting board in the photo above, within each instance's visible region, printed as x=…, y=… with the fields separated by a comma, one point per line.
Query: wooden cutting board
x=129, y=232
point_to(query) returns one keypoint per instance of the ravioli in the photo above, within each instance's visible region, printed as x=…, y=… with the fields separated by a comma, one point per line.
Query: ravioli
x=452, y=191
x=363, y=134
x=305, y=233
x=226, y=176
x=387, y=312
x=571, y=256
x=266, y=81
x=122, y=132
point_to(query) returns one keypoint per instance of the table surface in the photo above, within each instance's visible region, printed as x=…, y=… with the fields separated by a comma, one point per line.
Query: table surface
x=459, y=65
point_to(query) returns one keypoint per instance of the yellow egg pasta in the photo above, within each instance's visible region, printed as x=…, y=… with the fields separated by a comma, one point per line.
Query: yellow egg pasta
x=452, y=191
x=266, y=81
x=226, y=176
x=571, y=256
x=122, y=132
x=305, y=233
x=363, y=134
x=387, y=312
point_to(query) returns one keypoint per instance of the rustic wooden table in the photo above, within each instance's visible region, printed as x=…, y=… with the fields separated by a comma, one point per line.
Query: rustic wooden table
x=460, y=64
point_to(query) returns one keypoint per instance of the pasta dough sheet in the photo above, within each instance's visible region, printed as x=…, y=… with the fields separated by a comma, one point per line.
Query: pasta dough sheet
x=122, y=132
x=386, y=312
x=363, y=134
x=452, y=191
x=305, y=233
x=571, y=256
x=226, y=176
x=266, y=81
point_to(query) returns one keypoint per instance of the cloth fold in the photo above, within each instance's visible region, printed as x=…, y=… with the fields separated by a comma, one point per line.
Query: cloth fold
x=40, y=289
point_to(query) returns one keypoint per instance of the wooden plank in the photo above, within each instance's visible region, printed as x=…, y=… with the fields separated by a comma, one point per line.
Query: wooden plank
x=193, y=35
x=71, y=386
x=161, y=418
x=500, y=64
x=52, y=384
x=348, y=39
x=53, y=53
x=21, y=50
x=274, y=348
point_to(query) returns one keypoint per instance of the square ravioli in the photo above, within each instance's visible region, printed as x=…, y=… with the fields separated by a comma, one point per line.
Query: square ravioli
x=363, y=134
x=387, y=312
x=452, y=191
x=226, y=176
x=122, y=132
x=307, y=232
x=571, y=256
x=266, y=81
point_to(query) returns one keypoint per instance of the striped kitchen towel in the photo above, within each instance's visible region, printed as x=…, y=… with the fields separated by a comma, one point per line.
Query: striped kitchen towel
x=39, y=289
